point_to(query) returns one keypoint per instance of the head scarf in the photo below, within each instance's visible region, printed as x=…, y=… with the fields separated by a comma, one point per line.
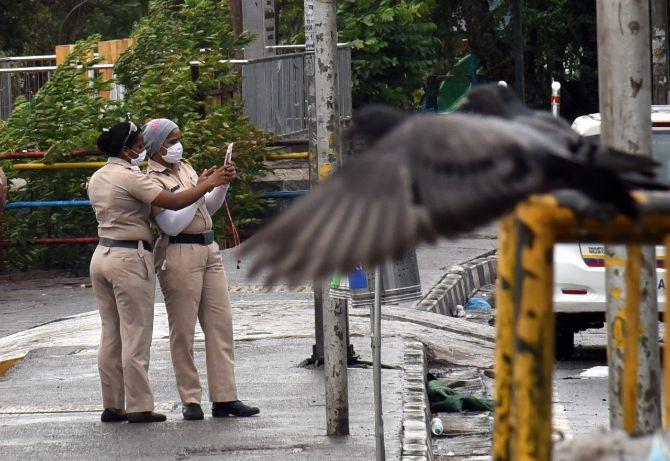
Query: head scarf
x=155, y=132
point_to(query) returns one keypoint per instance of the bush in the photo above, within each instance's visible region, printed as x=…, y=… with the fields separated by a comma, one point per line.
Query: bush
x=207, y=110
x=68, y=114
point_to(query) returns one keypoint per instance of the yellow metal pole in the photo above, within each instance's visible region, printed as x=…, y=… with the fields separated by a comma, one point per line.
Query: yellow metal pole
x=631, y=338
x=666, y=342
x=507, y=260
x=289, y=156
x=534, y=344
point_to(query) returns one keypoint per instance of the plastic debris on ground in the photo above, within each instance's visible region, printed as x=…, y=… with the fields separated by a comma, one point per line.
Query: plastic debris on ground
x=444, y=398
x=478, y=304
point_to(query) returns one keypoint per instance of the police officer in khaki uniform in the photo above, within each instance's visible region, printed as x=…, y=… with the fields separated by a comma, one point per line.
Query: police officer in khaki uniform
x=122, y=271
x=191, y=275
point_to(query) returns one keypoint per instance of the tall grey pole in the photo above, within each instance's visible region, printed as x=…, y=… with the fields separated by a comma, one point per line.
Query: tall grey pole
x=659, y=50
x=624, y=82
x=380, y=451
x=517, y=45
x=327, y=161
x=310, y=111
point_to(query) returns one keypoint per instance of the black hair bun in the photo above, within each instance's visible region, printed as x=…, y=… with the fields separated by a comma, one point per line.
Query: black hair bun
x=111, y=141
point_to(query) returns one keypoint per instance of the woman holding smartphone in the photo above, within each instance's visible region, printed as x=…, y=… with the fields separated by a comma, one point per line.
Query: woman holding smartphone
x=122, y=270
x=190, y=271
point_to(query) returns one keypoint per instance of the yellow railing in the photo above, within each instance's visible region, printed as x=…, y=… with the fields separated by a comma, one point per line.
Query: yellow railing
x=525, y=319
x=94, y=165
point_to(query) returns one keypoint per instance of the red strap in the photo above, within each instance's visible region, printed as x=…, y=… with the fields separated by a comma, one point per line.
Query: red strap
x=236, y=235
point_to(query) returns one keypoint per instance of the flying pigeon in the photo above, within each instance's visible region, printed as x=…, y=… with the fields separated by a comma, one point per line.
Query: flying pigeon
x=431, y=175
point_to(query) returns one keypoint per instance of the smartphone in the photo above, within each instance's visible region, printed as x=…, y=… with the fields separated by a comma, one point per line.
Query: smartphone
x=229, y=154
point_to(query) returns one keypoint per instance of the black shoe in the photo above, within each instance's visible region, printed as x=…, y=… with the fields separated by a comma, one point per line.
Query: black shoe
x=146, y=417
x=236, y=408
x=109, y=416
x=192, y=411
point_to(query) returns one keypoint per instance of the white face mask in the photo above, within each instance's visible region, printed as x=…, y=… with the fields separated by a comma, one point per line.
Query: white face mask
x=174, y=153
x=139, y=159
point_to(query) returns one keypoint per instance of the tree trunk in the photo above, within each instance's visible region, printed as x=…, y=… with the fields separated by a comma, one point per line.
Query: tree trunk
x=236, y=15
x=493, y=54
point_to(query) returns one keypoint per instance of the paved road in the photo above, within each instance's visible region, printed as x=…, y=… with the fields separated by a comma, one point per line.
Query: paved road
x=49, y=405
x=49, y=409
x=581, y=404
x=46, y=298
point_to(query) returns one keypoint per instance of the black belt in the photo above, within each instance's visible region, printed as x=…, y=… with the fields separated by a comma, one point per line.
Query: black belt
x=105, y=242
x=201, y=239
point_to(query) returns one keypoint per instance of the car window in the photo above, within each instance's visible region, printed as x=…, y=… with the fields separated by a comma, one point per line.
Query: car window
x=660, y=150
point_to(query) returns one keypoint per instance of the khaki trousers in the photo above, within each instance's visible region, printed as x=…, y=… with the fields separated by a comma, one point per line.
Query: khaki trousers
x=124, y=284
x=195, y=287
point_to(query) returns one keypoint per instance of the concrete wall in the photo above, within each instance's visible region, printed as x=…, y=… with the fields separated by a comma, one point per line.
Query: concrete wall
x=458, y=284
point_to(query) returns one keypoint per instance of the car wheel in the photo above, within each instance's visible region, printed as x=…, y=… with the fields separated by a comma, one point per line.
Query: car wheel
x=565, y=344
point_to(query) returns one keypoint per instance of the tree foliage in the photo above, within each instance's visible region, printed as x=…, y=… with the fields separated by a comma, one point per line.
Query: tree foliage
x=393, y=45
x=37, y=26
x=399, y=44
x=68, y=114
x=393, y=48
x=159, y=81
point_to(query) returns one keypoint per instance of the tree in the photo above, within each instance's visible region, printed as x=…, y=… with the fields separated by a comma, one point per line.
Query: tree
x=37, y=26
x=160, y=83
x=393, y=45
x=68, y=114
x=391, y=60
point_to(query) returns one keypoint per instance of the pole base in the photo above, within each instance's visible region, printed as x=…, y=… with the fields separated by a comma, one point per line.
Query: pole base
x=316, y=360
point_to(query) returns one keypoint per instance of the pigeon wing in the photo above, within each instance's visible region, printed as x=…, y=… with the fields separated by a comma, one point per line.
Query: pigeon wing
x=433, y=175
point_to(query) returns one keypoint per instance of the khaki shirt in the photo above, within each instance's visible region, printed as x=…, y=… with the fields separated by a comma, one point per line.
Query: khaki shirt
x=181, y=177
x=121, y=197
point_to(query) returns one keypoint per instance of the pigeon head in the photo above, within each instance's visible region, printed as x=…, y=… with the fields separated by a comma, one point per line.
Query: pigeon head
x=494, y=100
x=374, y=121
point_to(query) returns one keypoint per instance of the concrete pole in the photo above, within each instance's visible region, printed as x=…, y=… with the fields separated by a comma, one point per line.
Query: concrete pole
x=328, y=159
x=659, y=50
x=326, y=86
x=335, y=367
x=310, y=112
x=624, y=81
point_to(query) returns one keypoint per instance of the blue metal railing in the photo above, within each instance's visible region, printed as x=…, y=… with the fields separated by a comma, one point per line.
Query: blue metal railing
x=69, y=203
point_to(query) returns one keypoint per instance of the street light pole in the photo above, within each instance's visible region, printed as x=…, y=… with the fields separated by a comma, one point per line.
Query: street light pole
x=624, y=84
x=328, y=158
x=319, y=287
x=60, y=29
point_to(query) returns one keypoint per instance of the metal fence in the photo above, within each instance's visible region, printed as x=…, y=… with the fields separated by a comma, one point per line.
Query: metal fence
x=273, y=88
x=22, y=83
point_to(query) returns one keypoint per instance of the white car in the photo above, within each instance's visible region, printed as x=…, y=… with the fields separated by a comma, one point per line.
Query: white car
x=579, y=273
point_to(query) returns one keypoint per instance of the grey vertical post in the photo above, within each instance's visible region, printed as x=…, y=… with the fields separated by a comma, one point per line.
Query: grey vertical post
x=517, y=46
x=624, y=81
x=327, y=161
x=6, y=99
x=659, y=50
x=310, y=112
x=376, y=317
x=259, y=19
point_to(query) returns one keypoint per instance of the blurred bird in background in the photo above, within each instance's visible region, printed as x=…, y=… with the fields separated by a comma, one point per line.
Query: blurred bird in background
x=429, y=175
